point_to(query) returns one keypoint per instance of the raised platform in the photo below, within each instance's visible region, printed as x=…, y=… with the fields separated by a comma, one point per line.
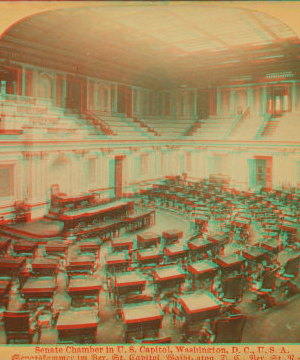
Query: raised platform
x=36, y=230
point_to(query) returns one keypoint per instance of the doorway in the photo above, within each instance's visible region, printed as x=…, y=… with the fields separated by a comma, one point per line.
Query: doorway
x=277, y=102
x=125, y=100
x=74, y=94
x=260, y=171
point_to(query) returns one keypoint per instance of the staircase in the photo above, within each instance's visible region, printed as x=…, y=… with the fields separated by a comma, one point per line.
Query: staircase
x=237, y=123
x=270, y=128
x=125, y=128
x=263, y=126
x=144, y=125
x=214, y=128
x=193, y=128
x=169, y=128
x=95, y=120
x=285, y=128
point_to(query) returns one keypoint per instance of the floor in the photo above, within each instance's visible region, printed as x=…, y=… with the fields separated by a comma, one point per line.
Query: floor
x=39, y=228
x=279, y=324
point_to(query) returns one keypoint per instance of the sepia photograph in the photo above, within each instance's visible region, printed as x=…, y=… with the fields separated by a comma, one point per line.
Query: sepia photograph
x=149, y=179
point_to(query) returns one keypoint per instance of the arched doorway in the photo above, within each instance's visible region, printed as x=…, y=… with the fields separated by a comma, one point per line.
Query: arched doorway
x=240, y=101
x=59, y=173
x=42, y=86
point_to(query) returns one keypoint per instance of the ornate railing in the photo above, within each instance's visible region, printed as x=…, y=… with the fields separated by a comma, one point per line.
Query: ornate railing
x=99, y=123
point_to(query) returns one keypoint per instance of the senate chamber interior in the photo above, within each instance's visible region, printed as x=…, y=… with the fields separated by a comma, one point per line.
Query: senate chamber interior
x=149, y=175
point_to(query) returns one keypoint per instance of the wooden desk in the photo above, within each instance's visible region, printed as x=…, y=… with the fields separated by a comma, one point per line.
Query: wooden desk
x=271, y=245
x=199, y=246
x=24, y=247
x=168, y=278
x=78, y=326
x=80, y=287
x=239, y=224
x=288, y=227
x=147, y=239
x=117, y=261
x=141, y=320
x=149, y=256
x=255, y=254
x=128, y=283
x=38, y=287
x=121, y=244
x=84, y=285
x=10, y=266
x=72, y=218
x=199, y=307
x=56, y=248
x=81, y=260
x=203, y=268
x=231, y=262
x=80, y=263
x=43, y=266
x=171, y=236
x=218, y=239
x=71, y=201
x=105, y=230
x=90, y=246
x=176, y=251
x=139, y=220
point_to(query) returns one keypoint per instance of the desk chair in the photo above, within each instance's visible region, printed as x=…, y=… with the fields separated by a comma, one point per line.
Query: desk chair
x=142, y=330
x=264, y=288
x=86, y=267
x=228, y=329
x=20, y=326
x=87, y=298
x=288, y=273
x=232, y=289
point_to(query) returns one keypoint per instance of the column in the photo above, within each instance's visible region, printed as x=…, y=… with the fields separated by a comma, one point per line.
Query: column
x=54, y=86
x=250, y=99
x=19, y=81
x=195, y=102
x=219, y=102
x=23, y=81
x=185, y=104
x=173, y=104
x=232, y=112
x=63, y=91
x=109, y=100
x=95, y=97
x=116, y=98
x=88, y=94
x=102, y=93
x=138, y=102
